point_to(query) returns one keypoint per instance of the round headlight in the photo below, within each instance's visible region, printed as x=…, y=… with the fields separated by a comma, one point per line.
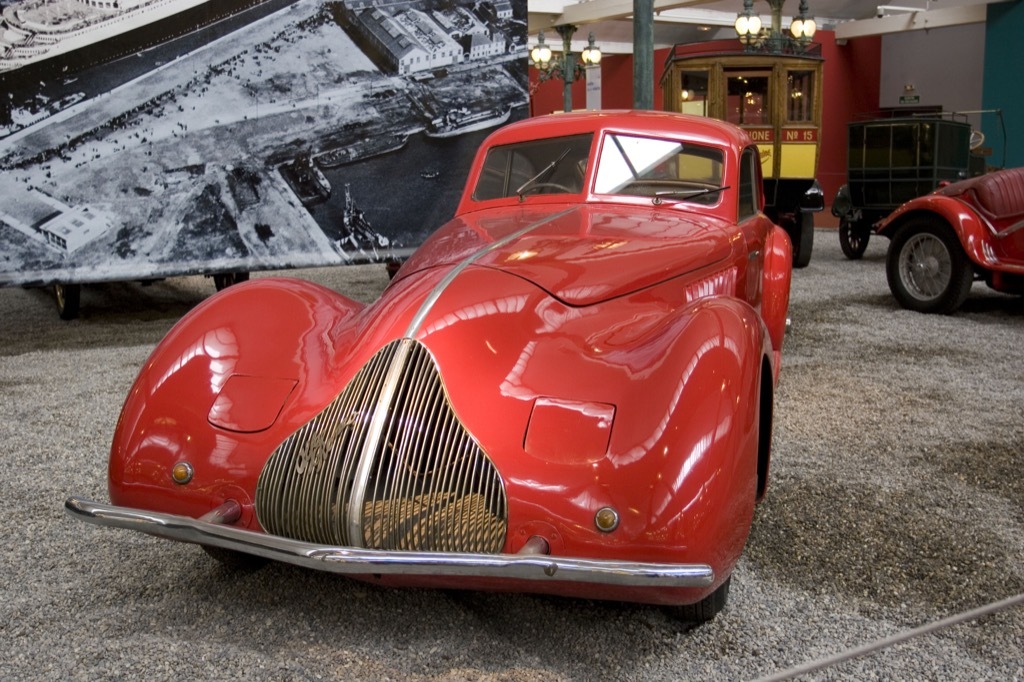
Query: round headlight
x=606, y=519
x=182, y=473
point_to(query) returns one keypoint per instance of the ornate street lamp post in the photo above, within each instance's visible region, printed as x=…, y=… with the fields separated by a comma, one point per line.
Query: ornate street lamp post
x=751, y=32
x=803, y=26
x=566, y=66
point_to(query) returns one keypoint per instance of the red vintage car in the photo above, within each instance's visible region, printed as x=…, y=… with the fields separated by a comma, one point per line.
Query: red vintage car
x=567, y=389
x=943, y=241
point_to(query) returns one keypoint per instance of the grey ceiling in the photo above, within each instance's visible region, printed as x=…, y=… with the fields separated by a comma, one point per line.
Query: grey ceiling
x=684, y=21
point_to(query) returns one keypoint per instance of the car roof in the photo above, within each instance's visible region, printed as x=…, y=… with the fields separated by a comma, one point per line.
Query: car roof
x=696, y=128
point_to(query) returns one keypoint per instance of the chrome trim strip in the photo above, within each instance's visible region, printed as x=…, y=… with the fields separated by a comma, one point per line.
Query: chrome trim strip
x=375, y=432
x=351, y=561
x=431, y=299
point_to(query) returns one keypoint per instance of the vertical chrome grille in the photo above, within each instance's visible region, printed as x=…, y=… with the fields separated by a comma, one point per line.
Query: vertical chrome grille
x=386, y=465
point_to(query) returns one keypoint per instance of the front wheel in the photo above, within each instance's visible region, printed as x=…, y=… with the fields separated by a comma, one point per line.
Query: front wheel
x=802, y=233
x=707, y=608
x=69, y=297
x=927, y=268
x=225, y=279
x=853, y=238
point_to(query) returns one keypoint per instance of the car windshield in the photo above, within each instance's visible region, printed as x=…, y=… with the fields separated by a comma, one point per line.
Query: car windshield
x=659, y=168
x=552, y=166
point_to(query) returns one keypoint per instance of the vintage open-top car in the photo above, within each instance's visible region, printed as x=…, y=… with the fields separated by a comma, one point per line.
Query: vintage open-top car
x=943, y=241
x=567, y=389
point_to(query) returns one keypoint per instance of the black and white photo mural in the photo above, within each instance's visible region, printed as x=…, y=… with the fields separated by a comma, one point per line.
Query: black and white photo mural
x=142, y=139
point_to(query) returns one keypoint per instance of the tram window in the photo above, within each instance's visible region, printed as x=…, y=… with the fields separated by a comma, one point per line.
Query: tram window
x=694, y=93
x=800, y=97
x=748, y=99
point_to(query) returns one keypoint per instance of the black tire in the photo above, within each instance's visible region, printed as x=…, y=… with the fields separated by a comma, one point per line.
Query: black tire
x=69, y=300
x=927, y=268
x=853, y=238
x=707, y=608
x=236, y=561
x=802, y=234
x=225, y=279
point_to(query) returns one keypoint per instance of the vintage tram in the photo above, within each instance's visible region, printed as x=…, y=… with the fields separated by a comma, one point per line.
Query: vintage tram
x=776, y=97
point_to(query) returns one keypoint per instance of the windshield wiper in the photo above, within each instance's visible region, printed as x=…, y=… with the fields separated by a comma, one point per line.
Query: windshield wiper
x=625, y=157
x=546, y=169
x=687, y=194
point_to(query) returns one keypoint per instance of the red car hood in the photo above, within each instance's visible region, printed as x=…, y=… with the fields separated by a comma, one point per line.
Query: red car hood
x=580, y=254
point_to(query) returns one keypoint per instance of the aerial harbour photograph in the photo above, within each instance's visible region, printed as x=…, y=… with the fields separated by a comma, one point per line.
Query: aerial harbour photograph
x=248, y=137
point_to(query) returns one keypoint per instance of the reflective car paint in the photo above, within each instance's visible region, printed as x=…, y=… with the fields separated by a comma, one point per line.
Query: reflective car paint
x=604, y=351
x=994, y=243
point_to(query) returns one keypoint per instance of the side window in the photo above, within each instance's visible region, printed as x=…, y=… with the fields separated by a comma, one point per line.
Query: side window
x=694, y=93
x=747, y=98
x=749, y=191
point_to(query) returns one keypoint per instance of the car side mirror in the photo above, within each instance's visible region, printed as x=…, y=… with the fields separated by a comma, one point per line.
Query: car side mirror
x=813, y=199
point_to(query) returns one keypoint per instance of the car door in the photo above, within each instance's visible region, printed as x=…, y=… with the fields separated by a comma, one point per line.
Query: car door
x=752, y=224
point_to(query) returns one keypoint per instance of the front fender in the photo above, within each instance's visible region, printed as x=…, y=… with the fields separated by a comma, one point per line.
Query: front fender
x=670, y=395
x=221, y=390
x=971, y=229
x=690, y=443
x=778, y=274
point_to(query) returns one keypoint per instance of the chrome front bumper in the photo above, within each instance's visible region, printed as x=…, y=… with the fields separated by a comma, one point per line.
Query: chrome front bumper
x=535, y=567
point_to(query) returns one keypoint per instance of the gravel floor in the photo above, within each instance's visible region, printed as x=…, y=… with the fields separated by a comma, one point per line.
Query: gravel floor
x=896, y=499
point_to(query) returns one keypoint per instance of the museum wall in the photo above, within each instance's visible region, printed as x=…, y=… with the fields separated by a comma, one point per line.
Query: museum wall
x=616, y=86
x=851, y=82
x=940, y=67
x=1002, y=79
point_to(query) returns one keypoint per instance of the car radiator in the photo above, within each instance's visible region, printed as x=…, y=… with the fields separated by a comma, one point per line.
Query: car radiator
x=386, y=465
